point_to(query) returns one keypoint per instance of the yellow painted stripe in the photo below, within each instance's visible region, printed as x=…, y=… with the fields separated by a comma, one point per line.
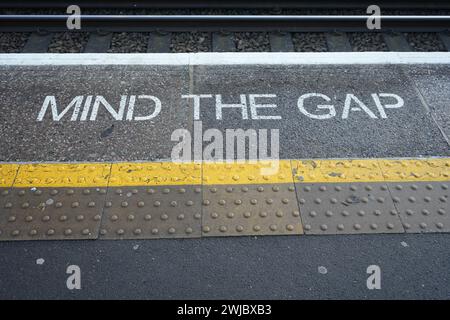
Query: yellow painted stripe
x=7, y=174
x=335, y=171
x=371, y=170
x=155, y=174
x=415, y=169
x=212, y=173
x=63, y=175
x=247, y=172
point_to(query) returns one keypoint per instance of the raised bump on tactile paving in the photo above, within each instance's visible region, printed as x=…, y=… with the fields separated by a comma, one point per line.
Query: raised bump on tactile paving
x=347, y=208
x=423, y=206
x=238, y=210
x=152, y=212
x=51, y=213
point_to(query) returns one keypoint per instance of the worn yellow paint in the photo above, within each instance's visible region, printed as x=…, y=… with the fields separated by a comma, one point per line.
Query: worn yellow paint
x=260, y=172
x=247, y=172
x=63, y=175
x=371, y=170
x=155, y=174
x=305, y=170
x=415, y=169
x=7, y=174
x=335, y=171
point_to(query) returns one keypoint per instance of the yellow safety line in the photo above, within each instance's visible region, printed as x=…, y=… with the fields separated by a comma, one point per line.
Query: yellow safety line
x=371, y=170
x=155, y=174
x=327, y=171
x=415, y=169
x=213, y=173
x=63, y=175
x=7, y=174
x=261, y=172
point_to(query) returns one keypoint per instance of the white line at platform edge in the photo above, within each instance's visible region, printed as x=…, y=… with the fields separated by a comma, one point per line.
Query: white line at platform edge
x=218, y=58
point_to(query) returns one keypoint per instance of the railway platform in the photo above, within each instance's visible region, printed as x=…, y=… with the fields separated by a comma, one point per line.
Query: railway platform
x=355, y=173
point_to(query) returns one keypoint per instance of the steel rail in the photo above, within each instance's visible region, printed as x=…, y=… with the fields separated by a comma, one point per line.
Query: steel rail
x=228, y=4
x=140, y=23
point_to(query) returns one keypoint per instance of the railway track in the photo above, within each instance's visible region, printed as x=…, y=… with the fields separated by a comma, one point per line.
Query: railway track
x=208, y=4
x=113, y=31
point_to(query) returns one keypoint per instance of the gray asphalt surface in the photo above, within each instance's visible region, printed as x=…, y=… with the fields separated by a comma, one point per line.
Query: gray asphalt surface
x=407, y=131
x=26, y=139
x=277, y=267
x=419, y=128
x=433, y=84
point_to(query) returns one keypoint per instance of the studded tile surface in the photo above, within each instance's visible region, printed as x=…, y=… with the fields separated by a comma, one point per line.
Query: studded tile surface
x=51, y=213
x=183, y=200
x=423, y=206
x=234, y=210
x=338, y=208
x=152, y=212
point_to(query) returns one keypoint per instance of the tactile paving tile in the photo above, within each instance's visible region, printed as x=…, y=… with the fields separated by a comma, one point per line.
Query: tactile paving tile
x=423, y=206
x=51, y=213
x=152, y=212
x=344, y=208
x=236, y=210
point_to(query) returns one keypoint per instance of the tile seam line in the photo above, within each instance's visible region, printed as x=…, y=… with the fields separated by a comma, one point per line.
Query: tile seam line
x=297, y=198
x=386, y=183
x=425, y=104
x=222, y=184
x=15, y=177
x=102, y=214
